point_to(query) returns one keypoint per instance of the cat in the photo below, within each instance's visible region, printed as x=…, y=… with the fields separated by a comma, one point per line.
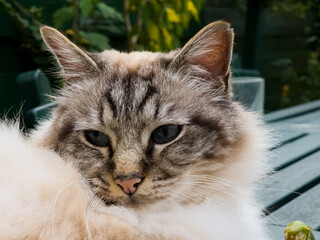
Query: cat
x=141, y=145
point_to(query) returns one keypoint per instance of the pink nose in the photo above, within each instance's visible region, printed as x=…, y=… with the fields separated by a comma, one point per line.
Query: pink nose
x=129, y=186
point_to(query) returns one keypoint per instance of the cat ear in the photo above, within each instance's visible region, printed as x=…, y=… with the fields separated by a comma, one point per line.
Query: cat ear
x=72, y=60
x=211, y=50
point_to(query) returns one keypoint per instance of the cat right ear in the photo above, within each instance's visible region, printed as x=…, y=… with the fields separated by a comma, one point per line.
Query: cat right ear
x=72, y=60
x=208, y=53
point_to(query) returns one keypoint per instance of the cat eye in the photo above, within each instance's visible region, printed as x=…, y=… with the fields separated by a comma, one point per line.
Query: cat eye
x=97, y=138
x=165, y=134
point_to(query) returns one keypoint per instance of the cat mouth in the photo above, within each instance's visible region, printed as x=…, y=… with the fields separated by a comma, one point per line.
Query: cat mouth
x=130, y=202
x=127, y=201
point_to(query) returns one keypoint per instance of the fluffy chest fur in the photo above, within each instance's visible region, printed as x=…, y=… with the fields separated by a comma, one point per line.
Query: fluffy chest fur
x=46, y=198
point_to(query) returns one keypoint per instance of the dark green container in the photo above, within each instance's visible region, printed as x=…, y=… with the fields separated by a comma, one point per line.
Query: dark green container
x=10, y=101
x=34, y=88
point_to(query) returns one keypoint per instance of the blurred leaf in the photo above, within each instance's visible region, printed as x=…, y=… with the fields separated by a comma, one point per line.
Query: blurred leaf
x=133, y=7
x=116, y=30
x=193, y=10
x=109, y=12
x=153, y=32
x=36, y=12
x=98, y=40
x=172, y=15
x=35, y=32
x=164, y=22
x=311, y=39
x=282, y=62
x=178, y=4
x=6, y=5
x=86, y=7
x=61, y=16
x=70, y=32
x=167, y=37
x=155, y=46
x=23, y=21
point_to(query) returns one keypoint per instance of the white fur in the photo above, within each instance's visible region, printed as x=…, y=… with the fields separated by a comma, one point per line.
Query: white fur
x=132, y=60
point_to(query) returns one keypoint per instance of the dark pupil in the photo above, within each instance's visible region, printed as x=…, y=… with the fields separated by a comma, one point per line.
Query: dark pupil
x=97, y=138
x=165, y=133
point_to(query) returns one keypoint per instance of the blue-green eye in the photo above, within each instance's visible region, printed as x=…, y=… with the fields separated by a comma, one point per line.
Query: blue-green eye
x=165, y=134
x=97, y=138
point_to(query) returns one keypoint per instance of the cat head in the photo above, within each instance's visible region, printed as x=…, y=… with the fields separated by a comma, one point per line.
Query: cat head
x=142, y=127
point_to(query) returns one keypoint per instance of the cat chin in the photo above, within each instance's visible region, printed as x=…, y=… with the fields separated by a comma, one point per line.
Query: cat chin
x=136, y=202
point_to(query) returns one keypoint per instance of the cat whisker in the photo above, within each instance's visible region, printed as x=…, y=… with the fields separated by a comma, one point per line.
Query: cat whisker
x=186, y=195
x=274, y=220
x=55, y=201
x=281, y=229
x=178, y=197
x=213, y=188
x=213, y=184
x=189, y=199
x=53, y=205
x=95, y=201
x=210, y=177
x=216, y=182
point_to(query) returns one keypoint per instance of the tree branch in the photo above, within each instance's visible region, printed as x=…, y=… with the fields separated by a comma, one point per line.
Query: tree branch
x=25, y=12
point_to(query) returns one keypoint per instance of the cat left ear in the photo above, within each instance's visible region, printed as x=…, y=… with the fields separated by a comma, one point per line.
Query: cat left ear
x=211, y=50
x=72, y=60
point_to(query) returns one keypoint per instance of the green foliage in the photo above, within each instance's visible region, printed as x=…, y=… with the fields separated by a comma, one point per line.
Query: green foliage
x=95, y=39
x=297, y=86
x=298, y=8
x=87, y=22
x=239, y=4
x=28, y=23
x=61, y=16
x=109, y=12
x=301, y=86
x=158, y=25
x=155, y=25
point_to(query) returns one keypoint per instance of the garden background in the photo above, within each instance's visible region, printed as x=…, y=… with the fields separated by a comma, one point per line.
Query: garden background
x=280, y=39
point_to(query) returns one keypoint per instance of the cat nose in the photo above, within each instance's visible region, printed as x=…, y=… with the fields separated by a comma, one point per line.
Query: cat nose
x=129, y=186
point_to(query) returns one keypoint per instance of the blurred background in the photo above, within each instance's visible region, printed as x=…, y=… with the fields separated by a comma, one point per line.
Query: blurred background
x=276, y=40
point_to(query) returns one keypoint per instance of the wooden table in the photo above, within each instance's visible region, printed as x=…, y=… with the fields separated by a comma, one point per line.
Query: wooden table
x=292, y=192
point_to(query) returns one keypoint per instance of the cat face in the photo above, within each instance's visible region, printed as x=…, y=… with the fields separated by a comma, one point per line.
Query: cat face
x=139, y=126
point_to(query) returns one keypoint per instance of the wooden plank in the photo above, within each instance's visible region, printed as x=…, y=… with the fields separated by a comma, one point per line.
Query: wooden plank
x=303, y=128
x=305, y=118
x=285, y=184
x=292, y=111
x=311, y=126
x=282, y=137
x=277, y=232
x=305, y=208
x=295, y=150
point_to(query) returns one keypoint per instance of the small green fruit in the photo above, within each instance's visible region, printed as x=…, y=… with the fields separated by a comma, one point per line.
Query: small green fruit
x=298, y=230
